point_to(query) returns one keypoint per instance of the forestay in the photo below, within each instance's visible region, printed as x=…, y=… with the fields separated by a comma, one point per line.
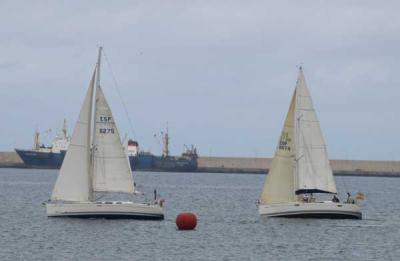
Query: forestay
x=112, y=172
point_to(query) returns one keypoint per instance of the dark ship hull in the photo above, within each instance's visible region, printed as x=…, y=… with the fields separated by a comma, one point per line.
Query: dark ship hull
x=41, y=160
x=157, y=163
x=147, y=162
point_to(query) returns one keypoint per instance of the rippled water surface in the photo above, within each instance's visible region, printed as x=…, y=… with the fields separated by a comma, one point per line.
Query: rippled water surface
x=229, y=227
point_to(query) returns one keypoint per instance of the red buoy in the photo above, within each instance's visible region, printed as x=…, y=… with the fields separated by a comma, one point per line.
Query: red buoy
x=186, y=221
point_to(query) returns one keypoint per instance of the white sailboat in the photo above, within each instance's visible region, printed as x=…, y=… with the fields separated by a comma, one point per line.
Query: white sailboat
x=300, y=169
x=96, y=162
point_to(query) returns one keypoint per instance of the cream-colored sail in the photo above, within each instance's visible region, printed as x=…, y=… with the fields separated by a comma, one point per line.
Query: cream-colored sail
x=279, y=184
x=314, y=173
x=73, y=180
x=112, y=172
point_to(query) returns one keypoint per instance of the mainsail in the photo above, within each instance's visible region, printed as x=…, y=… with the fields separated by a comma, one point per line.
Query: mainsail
x=73, y=180
x=112, y=171
x=279, y=183
x=314, y=173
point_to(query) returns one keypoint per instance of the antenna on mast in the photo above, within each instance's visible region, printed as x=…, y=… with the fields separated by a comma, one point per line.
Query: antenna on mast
x=165, y=138
x=64, y=130
x=36, y=141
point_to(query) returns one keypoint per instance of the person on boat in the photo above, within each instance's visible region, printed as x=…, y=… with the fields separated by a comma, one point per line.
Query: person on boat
x=335, y=199
x=349, y=199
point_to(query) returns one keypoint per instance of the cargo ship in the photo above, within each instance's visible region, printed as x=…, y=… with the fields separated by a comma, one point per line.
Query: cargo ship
x=51, y=157
x=141, y=160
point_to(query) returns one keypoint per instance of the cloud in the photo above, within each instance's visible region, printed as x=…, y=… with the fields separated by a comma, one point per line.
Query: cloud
x=221, y=72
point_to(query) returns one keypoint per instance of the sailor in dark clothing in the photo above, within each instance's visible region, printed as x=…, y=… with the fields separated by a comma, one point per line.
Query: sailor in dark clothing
x=335, y=199
x=349, y=199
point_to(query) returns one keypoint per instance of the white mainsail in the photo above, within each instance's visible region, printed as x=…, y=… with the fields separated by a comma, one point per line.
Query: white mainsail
x=279, y=183
x=112, y=172
x=73, y=180
x=314, y=172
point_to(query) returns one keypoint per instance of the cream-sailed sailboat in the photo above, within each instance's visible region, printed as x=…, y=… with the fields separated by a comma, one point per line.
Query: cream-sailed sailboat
x=300, y=169
x=96, y=162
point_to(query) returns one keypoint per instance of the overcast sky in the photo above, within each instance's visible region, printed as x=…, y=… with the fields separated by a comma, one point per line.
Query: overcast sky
x=220, y=72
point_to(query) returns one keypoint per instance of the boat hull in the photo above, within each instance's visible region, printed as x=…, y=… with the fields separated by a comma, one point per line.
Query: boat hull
x=107, y=209
x=311, y=210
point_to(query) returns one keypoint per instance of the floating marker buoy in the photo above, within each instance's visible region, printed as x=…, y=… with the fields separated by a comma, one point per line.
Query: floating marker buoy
x=186, y=221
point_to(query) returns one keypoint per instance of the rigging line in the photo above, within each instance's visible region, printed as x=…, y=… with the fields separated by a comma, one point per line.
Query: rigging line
x=119, y=94
x=343, y=183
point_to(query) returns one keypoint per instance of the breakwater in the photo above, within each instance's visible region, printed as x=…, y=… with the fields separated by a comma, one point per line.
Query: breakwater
x=10, y=159
x=260, y=165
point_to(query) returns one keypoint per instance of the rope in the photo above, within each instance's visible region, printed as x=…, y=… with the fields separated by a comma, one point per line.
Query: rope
x=119, y=94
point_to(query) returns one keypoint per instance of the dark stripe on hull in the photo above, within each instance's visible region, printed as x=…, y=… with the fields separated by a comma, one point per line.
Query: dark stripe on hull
x=330, y=215
x=116, y=215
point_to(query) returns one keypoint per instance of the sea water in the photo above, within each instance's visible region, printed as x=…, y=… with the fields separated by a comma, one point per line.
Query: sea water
x=229, y=227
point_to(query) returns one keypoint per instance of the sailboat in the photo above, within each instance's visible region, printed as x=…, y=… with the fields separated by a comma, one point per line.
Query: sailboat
x=300, y=170
x=96, y=162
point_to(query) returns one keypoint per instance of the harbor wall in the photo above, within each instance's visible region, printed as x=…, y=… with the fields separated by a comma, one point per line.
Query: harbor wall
x=10, y=159
x=259, y=165
x=229, y=164
x=262, y=165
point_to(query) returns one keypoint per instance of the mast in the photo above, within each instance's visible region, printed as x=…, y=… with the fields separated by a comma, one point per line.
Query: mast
x=297, y=117
x=296, y=135
x=36, y=141
x=166, y=143
x=94, y=93
x=64, y=130
x=93, y=138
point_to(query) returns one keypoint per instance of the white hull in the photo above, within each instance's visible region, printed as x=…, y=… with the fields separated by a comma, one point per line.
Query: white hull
x=108, y=209
x=326, y=209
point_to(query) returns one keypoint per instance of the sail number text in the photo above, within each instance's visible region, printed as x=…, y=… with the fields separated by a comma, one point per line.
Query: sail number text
x=285, y=141
x=105, y=118
x=106, y=130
